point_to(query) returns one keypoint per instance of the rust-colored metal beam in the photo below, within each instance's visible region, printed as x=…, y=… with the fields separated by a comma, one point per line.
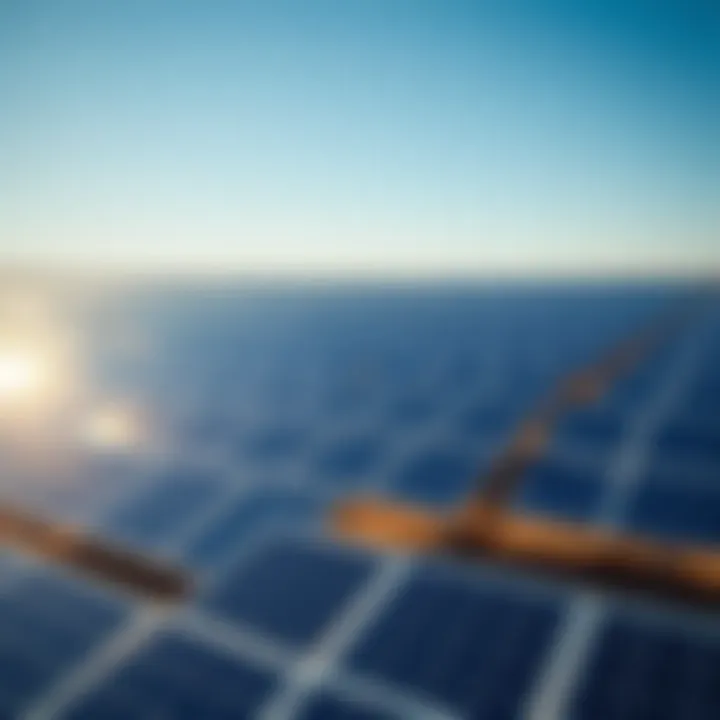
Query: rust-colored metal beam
x=484, y=527
x=585, y=386
x=91, y=556
x=673, y=571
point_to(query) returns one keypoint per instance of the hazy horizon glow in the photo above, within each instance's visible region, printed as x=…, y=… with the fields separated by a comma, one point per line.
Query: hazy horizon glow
x=397, y=137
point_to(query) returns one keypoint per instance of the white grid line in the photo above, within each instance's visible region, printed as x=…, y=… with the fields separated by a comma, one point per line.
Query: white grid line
x=560, y=671
x=313, y=667
x=100, y=663
x=233, y=638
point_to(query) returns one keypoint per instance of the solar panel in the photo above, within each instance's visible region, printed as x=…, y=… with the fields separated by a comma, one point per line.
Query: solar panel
x=274, y=407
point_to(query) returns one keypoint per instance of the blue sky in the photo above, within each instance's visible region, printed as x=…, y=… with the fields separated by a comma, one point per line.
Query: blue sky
x=401, y=136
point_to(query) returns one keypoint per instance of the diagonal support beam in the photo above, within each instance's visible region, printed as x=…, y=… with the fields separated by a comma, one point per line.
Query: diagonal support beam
x=91, y=556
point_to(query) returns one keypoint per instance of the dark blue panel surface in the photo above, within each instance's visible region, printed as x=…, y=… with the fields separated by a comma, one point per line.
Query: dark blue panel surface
x=473, y=647
x=677, y=512
x=66, y=599
x=563, y=489
x=348, y=400
x=326, y=707
x=280, y=507
x=633, y=391
x=47, y=625
x=349, y=458
x=689, y=444
x=660, y=472
x=206, y=428
x=414, y=408
x=702, y=402
x=310, y=389
x=174, y=677
x=273, y=444
x=637, y=671
x=162, y=510
x=490, y=420
x=289, y=590
x=436, y=476
x=599, y=428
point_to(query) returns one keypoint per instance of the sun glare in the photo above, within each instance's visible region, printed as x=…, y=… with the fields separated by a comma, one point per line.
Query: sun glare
x=24, y=375
x=112, y=427
x=37, y=359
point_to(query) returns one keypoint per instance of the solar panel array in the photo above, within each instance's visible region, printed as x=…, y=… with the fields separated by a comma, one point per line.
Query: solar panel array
x=268, y=407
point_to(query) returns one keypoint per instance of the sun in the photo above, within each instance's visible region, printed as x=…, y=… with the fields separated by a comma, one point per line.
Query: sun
x=24, y=375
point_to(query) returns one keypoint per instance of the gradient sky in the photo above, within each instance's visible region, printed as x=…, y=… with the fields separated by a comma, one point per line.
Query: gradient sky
x=410, y=136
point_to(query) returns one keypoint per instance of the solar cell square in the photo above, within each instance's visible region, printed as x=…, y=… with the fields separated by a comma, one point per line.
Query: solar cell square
x=164, y=507
x=681, y=442
x=324, y=706
x=677, y=512
x=281, y=507
x=414, y=408
x=436, y=476
x=288, y=589
x=632, y=390
x=175, y=677
x=72, y=600
x=274, y=444
x=47, y=625
x=345, y=460
x=649, y=673
x=475, y=648
x=462, y=369
x=490, y=420
x=349, y=400
x=599, y=429
x=204, y=428
x=707, y=389
x=700, y=402
x=562, y=488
